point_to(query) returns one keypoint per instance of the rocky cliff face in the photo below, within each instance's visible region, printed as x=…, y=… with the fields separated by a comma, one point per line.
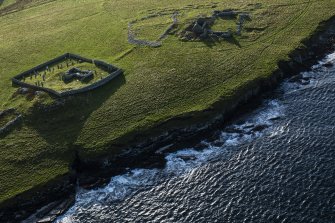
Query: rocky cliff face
x=145, y=147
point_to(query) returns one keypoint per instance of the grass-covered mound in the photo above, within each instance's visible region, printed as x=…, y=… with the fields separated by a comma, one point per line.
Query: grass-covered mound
x=158, y=83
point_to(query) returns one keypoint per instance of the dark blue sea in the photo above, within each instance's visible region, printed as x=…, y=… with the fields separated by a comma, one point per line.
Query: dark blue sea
x=274, y=164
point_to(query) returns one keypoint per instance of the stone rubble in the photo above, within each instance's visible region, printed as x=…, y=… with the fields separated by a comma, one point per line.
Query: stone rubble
x=200, y=29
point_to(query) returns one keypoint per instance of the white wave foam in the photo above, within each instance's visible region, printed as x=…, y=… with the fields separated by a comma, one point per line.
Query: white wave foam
x=118, y=188
x=328, y=59
x=254, y=126
x=177, y=163
x=311, y=78
x=184, y=160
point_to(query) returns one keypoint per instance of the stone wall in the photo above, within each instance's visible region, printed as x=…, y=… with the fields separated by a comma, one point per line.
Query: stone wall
x=105, y=66
x=113, y=72
x=7, y=112
x=92, y=86
x=11, y=124
x=132, y=37
x=41, y=66
x=74, y=56
x=34, y=87
x=171, y=27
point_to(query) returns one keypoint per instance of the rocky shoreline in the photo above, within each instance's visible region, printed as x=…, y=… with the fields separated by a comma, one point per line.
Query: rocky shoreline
x=146, y=149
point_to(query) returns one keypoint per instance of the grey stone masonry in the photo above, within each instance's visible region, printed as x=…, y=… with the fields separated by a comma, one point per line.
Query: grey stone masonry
x=132, y=39
x=76, y=73
x=112, y=70
x=200, y=29
x=12, y=123
x=228, y=13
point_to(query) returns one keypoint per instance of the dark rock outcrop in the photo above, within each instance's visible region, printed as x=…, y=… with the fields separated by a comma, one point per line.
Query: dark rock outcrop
x=141, y=146
x=329, y=64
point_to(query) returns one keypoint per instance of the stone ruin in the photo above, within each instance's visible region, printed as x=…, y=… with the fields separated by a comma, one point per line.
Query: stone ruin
x=76, y=73
x=241, y=20
x=200, y=29
x=133, y=39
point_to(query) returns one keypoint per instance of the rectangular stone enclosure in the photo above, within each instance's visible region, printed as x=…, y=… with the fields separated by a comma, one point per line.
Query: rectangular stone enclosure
x=112, y=72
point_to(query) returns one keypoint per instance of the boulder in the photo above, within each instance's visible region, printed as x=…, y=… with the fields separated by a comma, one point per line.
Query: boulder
x=328, y=65
x=23, y=90
x=274, y=118
x=187, y=157
x=296, y=78
x=259, y=128
x=39, y=92
x=48, y=219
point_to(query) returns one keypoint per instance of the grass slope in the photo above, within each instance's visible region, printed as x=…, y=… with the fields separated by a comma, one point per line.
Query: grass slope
x=158, y=84
x=5, y=3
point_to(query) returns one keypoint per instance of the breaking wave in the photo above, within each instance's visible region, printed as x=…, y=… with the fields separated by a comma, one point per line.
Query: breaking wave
x=245, y=130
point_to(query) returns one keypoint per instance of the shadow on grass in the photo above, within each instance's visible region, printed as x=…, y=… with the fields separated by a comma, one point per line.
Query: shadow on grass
x=215, y=41
x=234, y=41
x=210, y=43
x=62, y=124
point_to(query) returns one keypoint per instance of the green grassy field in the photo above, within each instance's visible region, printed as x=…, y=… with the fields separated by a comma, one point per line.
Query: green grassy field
x=158, y=83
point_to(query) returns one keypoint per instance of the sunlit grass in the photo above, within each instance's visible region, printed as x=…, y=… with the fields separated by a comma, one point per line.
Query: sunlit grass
x=6, y=3
x=157, y=84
